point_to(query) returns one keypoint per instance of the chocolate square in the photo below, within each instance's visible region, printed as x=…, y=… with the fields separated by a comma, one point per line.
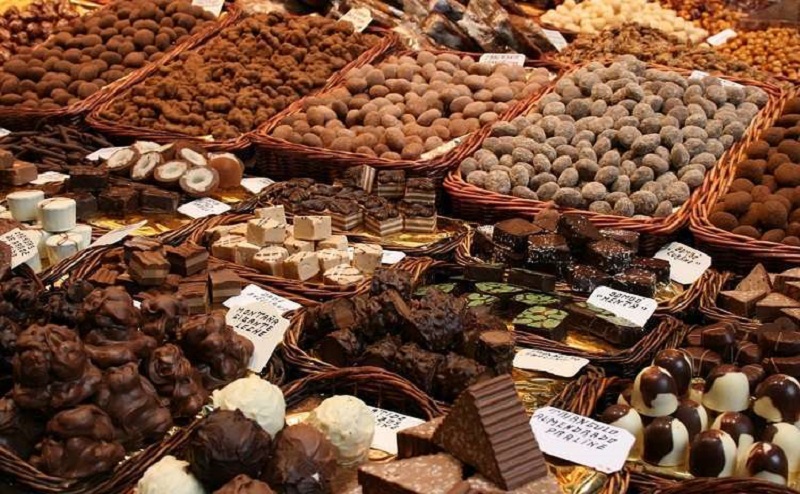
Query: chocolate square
x=548, y=253
x=636, y=281
x=578, y=231
x=609, y=255
x=658, y=267
x=513, y=233
x=585, y=279
x=159, y=201
x=542, y=282
x=87, y=178
x=118, y=201
x=625, y=237
x=187, y=259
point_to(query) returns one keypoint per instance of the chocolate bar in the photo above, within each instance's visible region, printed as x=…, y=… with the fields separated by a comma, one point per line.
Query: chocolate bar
x=418, y=440
x=609, y=255
x=513, y=233
x=585, y=279
x=156, y=200
x=603, y=324
x=118, y=201
x=187, y=259
x=87, y=178
x=418, y=475
x=658, y=267
x=636, y=281
x=484, y=272
x=741, y=303
x=547, y=322
x=535, y=280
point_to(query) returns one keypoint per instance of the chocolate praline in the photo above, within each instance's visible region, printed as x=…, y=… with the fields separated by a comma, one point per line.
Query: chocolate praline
x=767, y=462
x=712, y=454
x=692, y=415
x=727, y=389
x=654, y=392
x=787, y=437
x=738, y=426
x=242, y=484
x=665, y=442
x=678, y=365
x=778, y=399
x=303, y=460
x=625, y=417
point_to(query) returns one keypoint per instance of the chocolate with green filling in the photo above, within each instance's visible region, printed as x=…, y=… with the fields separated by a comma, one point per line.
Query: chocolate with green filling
x=547, y=322
x=481, y=300
x=442, y=287
x=524, y=300
x=502, y=290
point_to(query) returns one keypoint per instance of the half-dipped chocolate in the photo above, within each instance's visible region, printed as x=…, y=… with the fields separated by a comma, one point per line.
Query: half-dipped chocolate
x=655, y=393
x=727, y=389
x=665, y=442
x=778, y=399
x=712, y=454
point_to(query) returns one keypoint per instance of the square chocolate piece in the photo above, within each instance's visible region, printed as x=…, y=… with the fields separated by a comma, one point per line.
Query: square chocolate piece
x=87, y=178
x=585, y=279
x=609, y=255
x=578, y=231
x=547, y=252
x=224, y=285
x=636, y=281
x=187, y=259
x=658, y=267
x=159, y=201
x=85, y=204
x=484, y=272
x=513, y=234
x=418, y=440
x=118, y=201
x=625, y=237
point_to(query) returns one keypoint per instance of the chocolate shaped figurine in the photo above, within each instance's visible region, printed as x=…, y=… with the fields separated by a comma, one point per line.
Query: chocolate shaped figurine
x=175, y=379
x=219, y=353
x=79, y=443
x=51, y=369
x=133, y=403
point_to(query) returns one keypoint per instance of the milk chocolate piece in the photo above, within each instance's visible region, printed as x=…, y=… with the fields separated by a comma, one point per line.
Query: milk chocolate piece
x=381, y=354
x=340, y=348
x=757, y=280
x=304, y=460
x=741, y=303
x=487, y=428
x=778, y=343
x=224, y=285
x=769, y=307
x=746, y=353
x=20, y=173
x=455, y=374
x=721, y=338
x=418, y=440
x=703, y=360
x=6, y=159
x=159, y=201
x=420, y=475
x=187, y=259
x=783, y=365
x=87, y=178
x=195, y=294
x=513, y=233
x=418, y=365
x=781, y=279
x=542, y=282
x=609, y=255
x=148, y=268
x=118, y=201
x=495, y=350
x=85, y=204
x=242, y=484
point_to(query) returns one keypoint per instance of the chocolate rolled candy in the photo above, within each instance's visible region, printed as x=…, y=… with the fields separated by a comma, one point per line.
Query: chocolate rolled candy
x=727, y=389
x=703, y=360
x=787, y=437
x=665, y=442
x=693, y=415
x=627, y=418
x=679, y=366
x=227, y=444
x=765, y=461
x=303, y=460
x=738, y=426
x=721, y=338
x=655, y=393
x=778, y=399
x=712, y=454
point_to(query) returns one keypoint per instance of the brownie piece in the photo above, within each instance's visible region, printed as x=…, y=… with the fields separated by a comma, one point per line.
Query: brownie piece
x=513, y=233
x=495, y=350
x=609, y=255
x=159, y=201
x=578, y=231
x=658, y=267
x=548, y=252
x=625, y=237
x=85, y=204
x=418, y=365
x=636, y=281
x=87, y=178
x=118, y=201
x=339, y=348
x=381, y=353
x=585, y=279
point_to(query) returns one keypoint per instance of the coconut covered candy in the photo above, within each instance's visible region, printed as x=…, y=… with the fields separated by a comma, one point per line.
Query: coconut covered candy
x=620, y=139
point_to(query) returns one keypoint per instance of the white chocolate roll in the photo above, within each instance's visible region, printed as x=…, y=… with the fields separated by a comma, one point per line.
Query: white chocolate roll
x=23, y=204
x=63, y=245
x=58, y=214
x=85, y=232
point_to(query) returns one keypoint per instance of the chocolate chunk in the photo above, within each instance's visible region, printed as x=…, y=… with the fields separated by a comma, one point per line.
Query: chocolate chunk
x=585, y=279
x=455, y=374
x=781, y=279
x=721, y=338
x=783, y=365
x=418, y=365
x=658, y=267
x=609, y=255
x=603, y=324
x=757, y=280
x=636, y=281
x=303, y=460
x=85, y=204
x=495, y=350
x=224, y=284
x=419, y=475
x=339, y=348
x=156, y=200
x=625, y=237
x=547, y=322
x=703, y=360
x=487, y=428
x=187, y=259
x=87, y=178
x=542, y=282
x=513, y=233
x=418, y=440
x=741, y=303
x=777, y=343
x=381, y=354
x=548, y=253
x=746, y=353
x=118, y=201
x=484, y=272
x=384, y=279
x=578, y=231
x=694, y=337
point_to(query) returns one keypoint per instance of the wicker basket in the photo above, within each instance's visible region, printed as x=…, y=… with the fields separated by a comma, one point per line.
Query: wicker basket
x=476, y=204
x=738, y=252
x=680, y=303
x=97, y=121
x=18, y=118
x=280, y=159
x=587, y=395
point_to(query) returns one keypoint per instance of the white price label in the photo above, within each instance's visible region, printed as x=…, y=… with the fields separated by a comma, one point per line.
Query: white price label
x=103, y=154
x=444, y=148
x=23, y=246
x=255, y=185
x=721, y=37
x=262, y=325
x=359, y=18
x=581, y=440
x=686, y=265
x=255, y=294
x=550, y=362
x=634, y=308
x=555, y=38
x=213, y=6
x=4, y=132
x=392, y=256
x=506, y=58
x=386, y=426
x=115, y=236
x=49, y=177
x=203, y=207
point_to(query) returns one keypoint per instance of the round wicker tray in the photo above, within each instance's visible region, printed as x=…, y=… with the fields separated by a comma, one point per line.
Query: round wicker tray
x=486, y=207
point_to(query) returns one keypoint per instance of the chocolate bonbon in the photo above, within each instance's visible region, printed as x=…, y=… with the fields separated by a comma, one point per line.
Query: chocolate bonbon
x=666, y=441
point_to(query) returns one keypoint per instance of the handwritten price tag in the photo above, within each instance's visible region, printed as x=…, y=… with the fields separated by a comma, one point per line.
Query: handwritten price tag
x=581, y=440
x=556, y=39
x=686, y=265
x=392, y=256
x=254, y=185
x=628, y=306
x=550, y=362
x=23, y=246
x=102, y=154
x=359, y=18
x=203, y=207
x=115, y=236
x=262, y=325
x=255, y=294
x=213, y=6
x=506, y=58
x=387, y=424
x=721, y=37
x=49, y=177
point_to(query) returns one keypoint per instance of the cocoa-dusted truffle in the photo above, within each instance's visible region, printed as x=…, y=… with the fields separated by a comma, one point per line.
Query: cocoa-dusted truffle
x=176, y=380
x=79, y=443
x=219, y=353
x=303, y=460
x=227, y=444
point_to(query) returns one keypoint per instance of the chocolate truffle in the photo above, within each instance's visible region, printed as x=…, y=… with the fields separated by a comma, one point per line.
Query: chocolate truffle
x=738, y=426
x=712, y=454
x=303, y=461
x=257, y=399
x=349, y=425
x=654, y=392
x=765, y=461
x=679, y=365
x=665, y=442
x=693, y=415
x=727, y=389
x=787, y=437
x=171, y=475
x=778, y=399
x=227, y=444
x=625, y=417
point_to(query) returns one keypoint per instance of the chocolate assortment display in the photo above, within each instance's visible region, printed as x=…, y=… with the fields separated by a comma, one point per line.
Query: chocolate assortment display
x=621, y=140
x=766, y=297
x=32, y=24
x=96, y=50
x=761, y=203
x=486, y=433
x=270, y=73
x=405, y=106
x=305, y=251
x=382, y=202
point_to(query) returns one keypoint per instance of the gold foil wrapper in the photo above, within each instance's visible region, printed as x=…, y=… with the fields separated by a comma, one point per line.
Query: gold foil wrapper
x=156, y=223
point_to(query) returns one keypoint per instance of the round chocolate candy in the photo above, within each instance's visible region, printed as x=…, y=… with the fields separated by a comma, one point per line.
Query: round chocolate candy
x=738, y=426
x=665, y=442
x=765, y=461
x=787, y=436
x=703, y=360
x=712, y=454
x=727, y=389
x=625, y=417
x=778, y=399
x=721, y=338
x=679, y=365
x=693, y=415
x=655, y=393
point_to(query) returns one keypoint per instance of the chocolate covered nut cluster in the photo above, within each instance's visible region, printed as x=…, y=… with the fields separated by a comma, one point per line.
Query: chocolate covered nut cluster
x=242, y=77
x=623, y=140
x=763, y=201
x=410, y=104
x=32, y=24
x=97, y=50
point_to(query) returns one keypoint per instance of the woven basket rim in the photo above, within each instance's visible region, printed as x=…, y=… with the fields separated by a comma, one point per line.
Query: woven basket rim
x=459, y=190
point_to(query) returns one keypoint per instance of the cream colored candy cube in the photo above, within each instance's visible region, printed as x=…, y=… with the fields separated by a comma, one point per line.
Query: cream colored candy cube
x=225, y=247
x=269, y=260
x=329, y=258
x=367, y=257
x=312, y=227
x=338, y=242
x=301, y=266
x=265, y=231
x=276, y=213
